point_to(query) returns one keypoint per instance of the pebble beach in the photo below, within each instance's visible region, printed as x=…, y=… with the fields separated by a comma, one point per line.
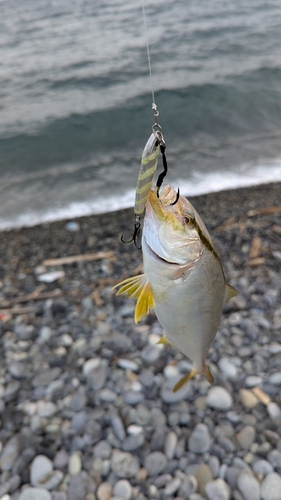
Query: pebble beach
x=87, y=410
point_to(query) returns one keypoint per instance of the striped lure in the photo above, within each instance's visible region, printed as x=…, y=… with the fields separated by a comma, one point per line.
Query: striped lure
x=149, y=161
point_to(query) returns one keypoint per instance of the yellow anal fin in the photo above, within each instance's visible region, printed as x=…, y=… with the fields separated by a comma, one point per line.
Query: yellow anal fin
x=138, y=288
x=184, y=379
x=229, y=293
x=164, y=340
x=145, y=302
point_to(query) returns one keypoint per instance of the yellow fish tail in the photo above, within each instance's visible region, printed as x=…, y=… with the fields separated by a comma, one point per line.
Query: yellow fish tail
x=206, y=372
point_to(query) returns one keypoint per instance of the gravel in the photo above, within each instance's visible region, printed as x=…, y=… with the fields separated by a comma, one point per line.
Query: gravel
x=86, y=402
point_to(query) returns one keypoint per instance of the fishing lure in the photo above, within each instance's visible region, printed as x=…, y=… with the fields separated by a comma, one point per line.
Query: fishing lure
x=149, y=162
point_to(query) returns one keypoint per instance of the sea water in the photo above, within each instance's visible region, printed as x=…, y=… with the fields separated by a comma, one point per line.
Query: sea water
x=75, y=100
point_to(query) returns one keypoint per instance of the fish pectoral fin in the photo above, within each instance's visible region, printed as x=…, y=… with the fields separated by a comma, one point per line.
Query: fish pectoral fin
x=164, y=340
x=131, y=287
x=179, y=272
x=229, y=293
x=138, y=288
x=206, y=372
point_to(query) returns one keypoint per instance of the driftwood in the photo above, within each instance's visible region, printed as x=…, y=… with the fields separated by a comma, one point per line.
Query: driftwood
x=241, y=220
x=36, y=295
x=72, y=259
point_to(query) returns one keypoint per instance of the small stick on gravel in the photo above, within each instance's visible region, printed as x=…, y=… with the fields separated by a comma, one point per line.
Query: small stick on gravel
x=78, y=258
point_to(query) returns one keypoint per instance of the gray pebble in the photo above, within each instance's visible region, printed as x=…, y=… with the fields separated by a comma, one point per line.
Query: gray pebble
x=275, y=378
x=274, y=457
x=18, y=370
x=170, y=397
x=219, y=398
x=61, y=459
x=231, y=476
x=11, y=391
x=124, y=464
x=262, y=467
x=40, y=468
x=188, y=487
x=172, y=486
x=271, y=487
x=150, y=354
x=143, y=415
x=170, y=444
x=146, y=378
x=97, y=377
x=77, y=401
x=107, y=395
x=59, y=495
x=133, y=442
x=102, y=449
x=118, y=427
x=43, y=475
x=248, y=485
x=46, y=377
x=217, y=489
x=10, y=453
x=133, y=398
x=78, y=421
x=155, y=463
x=77, y=488
x=214, y=465
x=246, y=437
x=123, y=489
x=199, y=441
x=35, y=494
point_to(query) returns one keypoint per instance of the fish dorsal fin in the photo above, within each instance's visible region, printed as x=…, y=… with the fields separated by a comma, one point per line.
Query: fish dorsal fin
x=138, y=288
x=229, y=293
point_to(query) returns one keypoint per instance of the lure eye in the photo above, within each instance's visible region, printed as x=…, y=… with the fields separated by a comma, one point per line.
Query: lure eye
x=187, y=220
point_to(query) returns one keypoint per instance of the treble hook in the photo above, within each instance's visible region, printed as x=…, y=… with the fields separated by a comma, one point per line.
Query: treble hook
x=135, y=237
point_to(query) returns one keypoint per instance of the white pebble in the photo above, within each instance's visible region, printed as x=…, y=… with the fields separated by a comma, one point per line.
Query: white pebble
x=123, y=489
x=74, y=464
x=219, y=398
x=40, y=467
x=128, y=364
x=90, y=365
x=171, y=371
x=218, y=490
x=271, y=487
x=228, y=369
x=134, y=430
x=248, y=485
x=274, y=411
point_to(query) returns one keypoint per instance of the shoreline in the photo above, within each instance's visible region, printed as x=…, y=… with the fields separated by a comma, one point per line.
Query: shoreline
x=87, y=388
x=268, y=191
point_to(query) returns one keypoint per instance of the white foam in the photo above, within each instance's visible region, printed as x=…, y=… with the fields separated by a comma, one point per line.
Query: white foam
x=243, y=176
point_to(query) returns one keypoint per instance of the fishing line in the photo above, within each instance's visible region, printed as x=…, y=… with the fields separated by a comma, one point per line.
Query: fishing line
x=154, y=106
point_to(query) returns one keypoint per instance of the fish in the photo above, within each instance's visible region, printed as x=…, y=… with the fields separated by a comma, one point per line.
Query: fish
x=183, y=279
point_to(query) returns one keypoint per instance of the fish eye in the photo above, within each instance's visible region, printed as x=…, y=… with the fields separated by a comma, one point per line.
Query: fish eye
x=188, y=218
